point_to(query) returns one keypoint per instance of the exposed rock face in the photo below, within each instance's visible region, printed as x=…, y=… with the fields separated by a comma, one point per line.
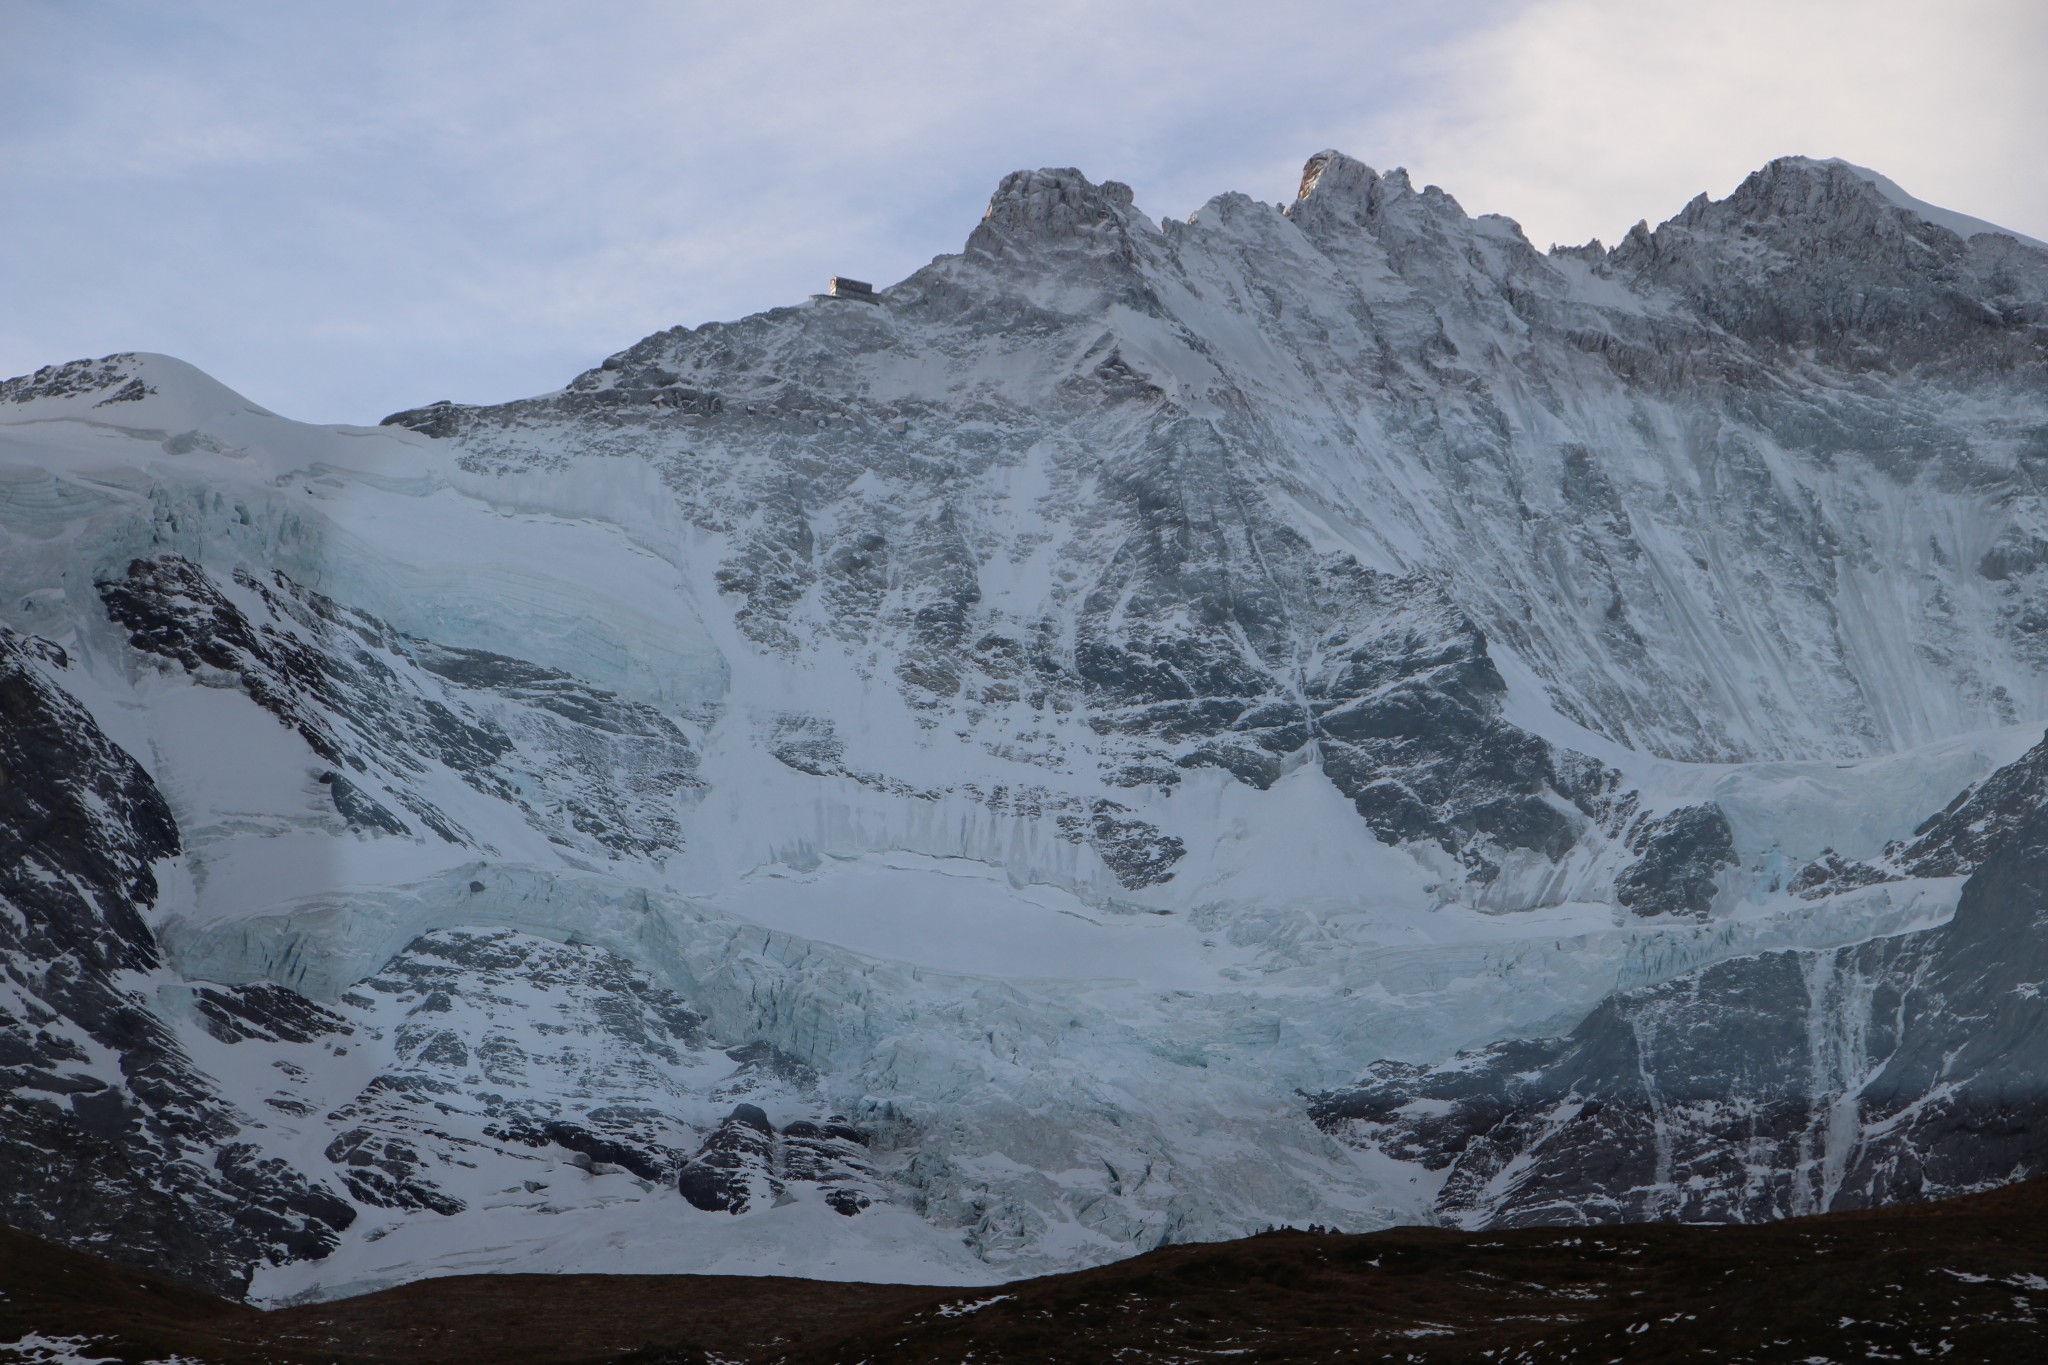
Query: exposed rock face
x=1812, y=256
x=1900, y=1069
x=1681, y=852
x=929, y=784
x=1952, y=843
x=745, y=1161
x=593, y=769
x=735, y=1166
x=1981, y=820
x=110, y=1135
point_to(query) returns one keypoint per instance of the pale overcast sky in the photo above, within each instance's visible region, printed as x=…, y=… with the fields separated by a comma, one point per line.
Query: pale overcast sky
x=346, y=208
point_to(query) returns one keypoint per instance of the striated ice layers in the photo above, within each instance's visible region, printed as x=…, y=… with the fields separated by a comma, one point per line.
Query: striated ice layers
x=1026, y=738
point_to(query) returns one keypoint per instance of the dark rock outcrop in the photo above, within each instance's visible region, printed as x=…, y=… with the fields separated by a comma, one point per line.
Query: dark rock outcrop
x=746, y=1160
x=1680, y=854
x=383, y=708
x=735, y=1166
x=109, y=1136
x=1904, y=1068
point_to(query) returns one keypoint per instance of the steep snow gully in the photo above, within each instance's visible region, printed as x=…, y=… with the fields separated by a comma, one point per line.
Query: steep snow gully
x=1139, y=732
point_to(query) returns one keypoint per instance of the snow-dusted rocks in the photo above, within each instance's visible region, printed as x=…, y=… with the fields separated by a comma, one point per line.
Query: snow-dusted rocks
x=925, y=790
x=109, y=1136
x=591, y=770
x=1903, y=1068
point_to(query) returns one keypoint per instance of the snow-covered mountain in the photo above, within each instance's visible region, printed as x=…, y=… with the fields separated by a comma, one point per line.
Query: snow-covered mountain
x=1137, y=732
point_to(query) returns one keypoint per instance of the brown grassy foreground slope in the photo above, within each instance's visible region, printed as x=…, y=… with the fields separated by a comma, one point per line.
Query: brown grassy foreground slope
x=1964, y=1280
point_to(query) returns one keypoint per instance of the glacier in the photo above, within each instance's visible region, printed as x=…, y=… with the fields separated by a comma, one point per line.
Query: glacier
x=964, y=785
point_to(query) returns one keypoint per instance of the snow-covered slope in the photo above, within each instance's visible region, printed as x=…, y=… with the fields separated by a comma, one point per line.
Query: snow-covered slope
x=925, y=788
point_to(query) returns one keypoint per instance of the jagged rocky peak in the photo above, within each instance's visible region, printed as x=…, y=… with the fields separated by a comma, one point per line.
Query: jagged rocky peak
x=1032, y=210
x=1840, y=197
x=1337, y=184
x=1340, y=195
x=1794, y=188
x=1837, y=261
